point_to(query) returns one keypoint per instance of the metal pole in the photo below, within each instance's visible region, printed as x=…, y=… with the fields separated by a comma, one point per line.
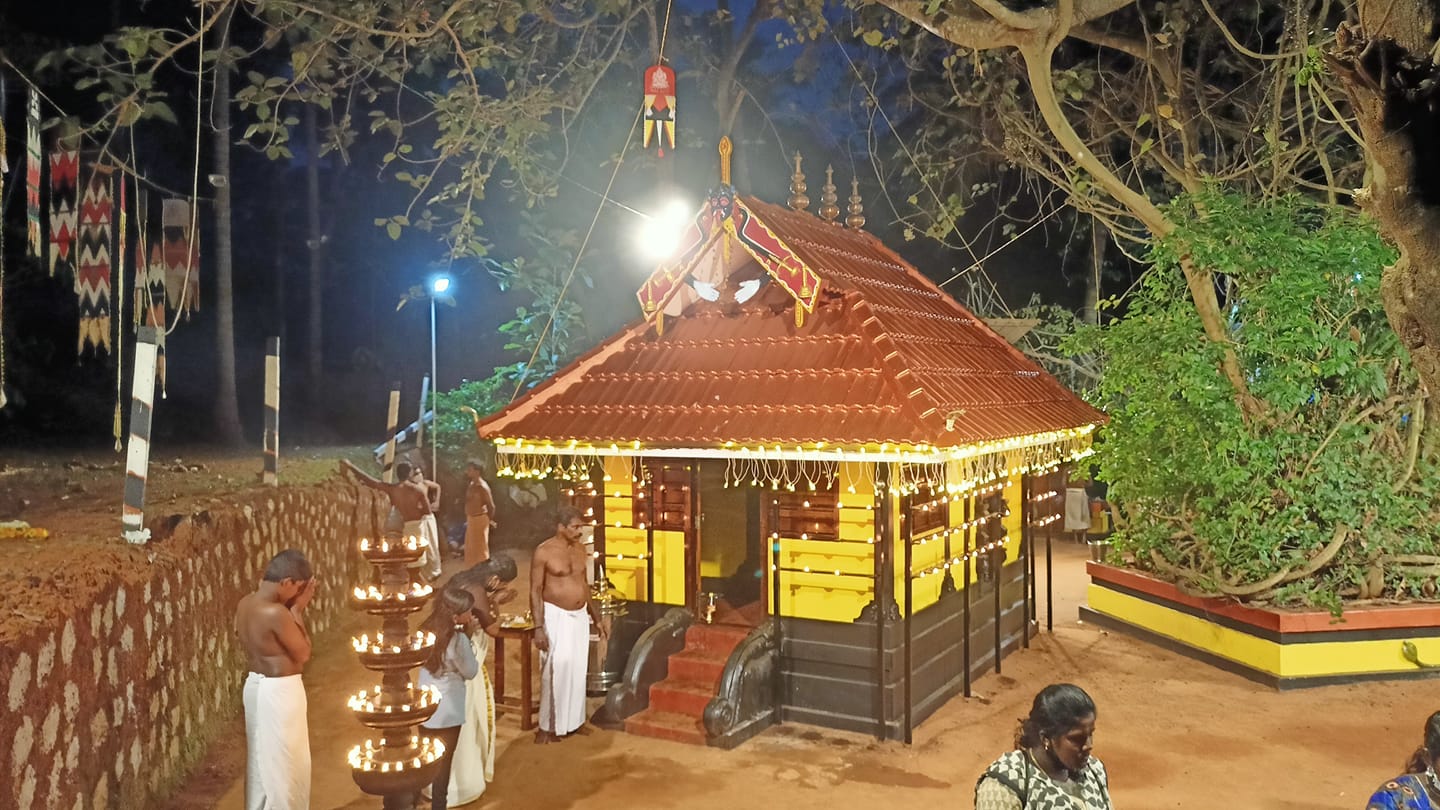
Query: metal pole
x=137, y=460
x=1050, y=564
x=884, y=590
x=1025, y=572
x=272, y=412
x=420, y=421
x=907, y=534
x=435, y=380
x=392, y=416
x=997, y=565
x=965, y=543
x=649, y=534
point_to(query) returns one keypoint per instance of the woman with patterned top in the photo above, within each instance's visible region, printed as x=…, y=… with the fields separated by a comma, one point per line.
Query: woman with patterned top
x=1418, y=788
x=1051, y=767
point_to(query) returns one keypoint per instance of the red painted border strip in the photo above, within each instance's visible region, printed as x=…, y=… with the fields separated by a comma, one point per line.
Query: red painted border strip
x=1282, y=621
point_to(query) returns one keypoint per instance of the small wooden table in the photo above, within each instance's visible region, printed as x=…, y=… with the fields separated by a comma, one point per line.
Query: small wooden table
x=526, y=704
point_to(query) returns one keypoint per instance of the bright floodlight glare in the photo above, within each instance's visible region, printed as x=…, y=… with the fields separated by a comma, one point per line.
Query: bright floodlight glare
x=440, y=284
x=677, y=213
x=659, y=236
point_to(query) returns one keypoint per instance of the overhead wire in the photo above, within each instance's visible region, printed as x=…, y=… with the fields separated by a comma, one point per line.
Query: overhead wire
x=119, y=162
x=580, y=252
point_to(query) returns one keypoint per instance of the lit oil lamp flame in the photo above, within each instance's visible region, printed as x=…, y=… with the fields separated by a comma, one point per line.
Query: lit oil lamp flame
x=427, y=750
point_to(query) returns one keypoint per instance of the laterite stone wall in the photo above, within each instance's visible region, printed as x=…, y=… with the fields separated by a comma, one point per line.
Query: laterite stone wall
x=112, y=704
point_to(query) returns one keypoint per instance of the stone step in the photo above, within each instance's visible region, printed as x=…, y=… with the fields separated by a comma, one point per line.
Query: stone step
x=667, y=726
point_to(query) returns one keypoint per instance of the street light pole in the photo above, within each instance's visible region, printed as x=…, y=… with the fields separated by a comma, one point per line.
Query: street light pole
x=434, y=386
x=439, y=285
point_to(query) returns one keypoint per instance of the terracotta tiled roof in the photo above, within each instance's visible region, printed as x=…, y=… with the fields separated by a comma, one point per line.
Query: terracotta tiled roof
x=885, y=357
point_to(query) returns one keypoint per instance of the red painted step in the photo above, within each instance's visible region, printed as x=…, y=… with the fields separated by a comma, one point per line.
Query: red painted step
x=681, y=697
x=679, y=728
x=699, y=666
x=713, y=638
x=677, y=703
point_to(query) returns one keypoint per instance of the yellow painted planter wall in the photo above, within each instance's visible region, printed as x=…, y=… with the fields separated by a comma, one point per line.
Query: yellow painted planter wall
x=1318, y=659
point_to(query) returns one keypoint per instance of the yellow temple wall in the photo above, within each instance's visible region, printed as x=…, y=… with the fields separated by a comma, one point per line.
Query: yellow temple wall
x=840, y=579
x=626, y=563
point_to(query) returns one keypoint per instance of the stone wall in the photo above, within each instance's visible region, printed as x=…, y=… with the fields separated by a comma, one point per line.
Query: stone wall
x=111, y=705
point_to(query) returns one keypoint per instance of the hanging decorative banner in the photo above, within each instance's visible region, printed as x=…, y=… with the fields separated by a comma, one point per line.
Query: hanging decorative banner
x=149, y=282
x=182, y=257
x=660, y=106
x=152, y=311
x=32, y=176
x=64, y=178
x=92, y=281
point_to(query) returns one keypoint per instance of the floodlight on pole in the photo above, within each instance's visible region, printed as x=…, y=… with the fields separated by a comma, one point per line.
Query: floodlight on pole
x=439, y=285
x=659, y=236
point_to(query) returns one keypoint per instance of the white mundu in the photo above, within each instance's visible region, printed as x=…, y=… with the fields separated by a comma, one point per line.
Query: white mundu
x=563, y=669
x=277, y=768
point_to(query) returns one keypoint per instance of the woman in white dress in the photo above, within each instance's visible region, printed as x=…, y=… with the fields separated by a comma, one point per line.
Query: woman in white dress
x=474, y=762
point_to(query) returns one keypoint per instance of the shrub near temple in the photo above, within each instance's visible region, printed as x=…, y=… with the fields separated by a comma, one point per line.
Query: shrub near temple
x=1325, y=495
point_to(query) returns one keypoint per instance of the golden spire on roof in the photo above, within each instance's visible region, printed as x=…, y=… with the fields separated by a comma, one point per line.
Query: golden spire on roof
x=828, y=209
x=798, y=200
x=725, y=150
x=856, y=220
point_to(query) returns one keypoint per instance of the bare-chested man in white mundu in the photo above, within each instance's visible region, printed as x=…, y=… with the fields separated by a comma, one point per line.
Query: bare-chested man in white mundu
x=270, y=623
x=560, y=601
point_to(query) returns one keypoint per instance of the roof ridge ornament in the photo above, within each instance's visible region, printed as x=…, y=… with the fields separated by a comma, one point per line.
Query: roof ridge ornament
x=725, y=149
x=856, y=220
x=798, y=201
x=828, y=209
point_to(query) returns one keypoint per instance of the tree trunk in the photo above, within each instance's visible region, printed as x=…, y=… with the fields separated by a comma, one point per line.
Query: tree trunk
x=1090, y=310
x=1387, y=66
x=315, y=242
x=1200, y=281
x=227, y=409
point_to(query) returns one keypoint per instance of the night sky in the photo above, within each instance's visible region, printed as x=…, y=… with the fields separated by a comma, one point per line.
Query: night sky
x=367, y=342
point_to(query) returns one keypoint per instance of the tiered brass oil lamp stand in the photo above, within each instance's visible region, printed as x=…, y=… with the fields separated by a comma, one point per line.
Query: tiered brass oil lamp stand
x=402, y=761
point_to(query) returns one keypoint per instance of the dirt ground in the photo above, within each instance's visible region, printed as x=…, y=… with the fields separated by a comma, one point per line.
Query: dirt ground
x=77, y=497
x=1173, y=732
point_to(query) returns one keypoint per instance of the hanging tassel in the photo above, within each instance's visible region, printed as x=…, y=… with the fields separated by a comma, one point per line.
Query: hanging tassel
x=116, y=429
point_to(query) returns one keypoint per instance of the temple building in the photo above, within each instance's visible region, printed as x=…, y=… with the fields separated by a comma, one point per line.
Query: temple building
x=819, y=481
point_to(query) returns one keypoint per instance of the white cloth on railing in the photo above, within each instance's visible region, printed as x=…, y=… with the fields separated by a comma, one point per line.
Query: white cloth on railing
x=1077, y=510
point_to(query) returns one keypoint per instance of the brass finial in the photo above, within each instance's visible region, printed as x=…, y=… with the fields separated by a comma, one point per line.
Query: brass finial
x=725, y=150
x=828, y=209
x=798, y=200
x=856, y=220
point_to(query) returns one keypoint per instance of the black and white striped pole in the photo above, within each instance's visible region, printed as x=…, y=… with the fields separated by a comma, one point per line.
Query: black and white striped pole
x=272, y=412
x=392, y=418
x=137, y=459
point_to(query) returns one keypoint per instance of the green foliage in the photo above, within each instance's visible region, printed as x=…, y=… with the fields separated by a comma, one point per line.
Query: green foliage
x=551, y=319
x=1229, y=506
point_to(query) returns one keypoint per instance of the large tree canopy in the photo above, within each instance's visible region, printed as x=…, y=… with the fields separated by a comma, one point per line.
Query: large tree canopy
x=1128, y=108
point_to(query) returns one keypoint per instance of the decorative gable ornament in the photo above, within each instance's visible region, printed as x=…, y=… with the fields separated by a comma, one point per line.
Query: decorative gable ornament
x=725, y=216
